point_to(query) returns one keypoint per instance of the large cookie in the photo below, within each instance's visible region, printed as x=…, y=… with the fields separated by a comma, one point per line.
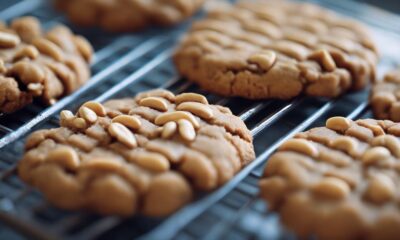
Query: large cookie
x=385, y=96
x=277, y=49
x=123, y=15
x=338, y=182
x=37, y=64
x=145, y=154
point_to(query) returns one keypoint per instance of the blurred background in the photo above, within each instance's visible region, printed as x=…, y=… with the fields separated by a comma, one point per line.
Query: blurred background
x=390, y=5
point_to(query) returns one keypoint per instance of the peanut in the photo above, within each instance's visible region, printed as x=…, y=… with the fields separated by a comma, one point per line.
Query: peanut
x=196, y=108
x=122, y=134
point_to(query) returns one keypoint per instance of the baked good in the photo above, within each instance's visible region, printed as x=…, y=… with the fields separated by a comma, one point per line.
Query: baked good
x=339, y=181
x=145, y=154
x=277, y=49
x=385, y=97
x=128, y=15
x=37, y=64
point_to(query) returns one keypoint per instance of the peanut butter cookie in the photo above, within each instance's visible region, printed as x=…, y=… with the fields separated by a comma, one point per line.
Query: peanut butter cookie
x=385, y=97
x=34, y=64
x=277, y=49
x=145, y=154
x=339, y=181
x=123, y=15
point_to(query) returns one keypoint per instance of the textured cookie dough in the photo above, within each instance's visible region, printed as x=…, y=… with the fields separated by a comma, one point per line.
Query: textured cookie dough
x=124, y=15
x=277, y=49
x=339, y=181
x=145, y=154
x=37, y=64
x=385, y=96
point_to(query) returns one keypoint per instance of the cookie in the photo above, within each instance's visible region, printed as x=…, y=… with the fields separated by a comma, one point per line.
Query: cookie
x=277, y=49
x=124, y=16
x=339, y=181
x=37, y=64
x=385, y=95
x=145, y=154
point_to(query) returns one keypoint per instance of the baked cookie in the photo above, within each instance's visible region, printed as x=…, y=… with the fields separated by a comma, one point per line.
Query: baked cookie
x=145, y=154
x=339, y=181
x=37, y=64
x=124, y=15
x=385, y=97
x=277, y=49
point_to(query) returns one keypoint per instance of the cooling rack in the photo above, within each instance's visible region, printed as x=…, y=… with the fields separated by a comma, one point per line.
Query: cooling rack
x=129, y=63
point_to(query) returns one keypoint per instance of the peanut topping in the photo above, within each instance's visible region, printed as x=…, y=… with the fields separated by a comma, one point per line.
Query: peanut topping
x=340, y=124
x=36, y=88
x=28, y=51
x=168, y=130
x=389, y=141
x=346, y=144
x=49, y=48
x=8, y=40
x=154, y=102
x=87, y=114
x=380, y=189
x=331, y=187
x=199, y=109
x=122, y=134
x=265, y=60
x=299, y=145
x=79, y=123
x=98, y=108
x=84, y=47
x=65, y=156
x=190, y=97
x=66, y=115
x=374, y=155
x=128, y=121
x=186, y=130
x=324, y=58
x=153, y=161
x=175, y=116
x=102, y=164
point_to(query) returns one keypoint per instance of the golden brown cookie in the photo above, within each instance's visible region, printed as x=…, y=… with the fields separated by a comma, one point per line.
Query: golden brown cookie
x=37, y=64
x=385, y=97
x=132, y=15
x=277, y=49
x=145, y=154
x=339, y=181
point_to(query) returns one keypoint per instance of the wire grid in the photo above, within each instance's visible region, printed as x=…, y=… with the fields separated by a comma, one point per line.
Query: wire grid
x=128, y=64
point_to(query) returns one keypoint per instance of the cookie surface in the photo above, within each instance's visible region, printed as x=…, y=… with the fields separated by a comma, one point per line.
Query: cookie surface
x=37, y=64
x=277, y=49
x=123, y=16
x=339, y=181
x=124, y=156
x=385, y=97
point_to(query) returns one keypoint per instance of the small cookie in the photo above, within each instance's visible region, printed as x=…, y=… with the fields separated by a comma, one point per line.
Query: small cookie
x=339, y=181
x=124, y=16
x=385, y=97
x=36, y=64
x=145, y=154
x=277, y=49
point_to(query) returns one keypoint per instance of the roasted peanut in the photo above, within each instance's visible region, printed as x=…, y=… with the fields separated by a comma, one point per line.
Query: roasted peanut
x=380, y=189
x=198, y=109
x=128, y=121
x=122, y=134
x=168, y=130
x=157, y=103
x=8, y=40
x=98, y=108
x=186, y=130
x=374, y=155
x=265, y=59
x=300, y=145
x=88, y=114
x=65, y=156
x=175, y=116
x=340, y=124
x=190, y=97
x=153, y=161
x=332, y=188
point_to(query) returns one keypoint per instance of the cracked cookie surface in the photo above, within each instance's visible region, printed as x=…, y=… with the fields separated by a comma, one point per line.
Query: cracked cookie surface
x=36, y=64
x=385, y=97
x=145, y=154
x=339, y=181
x=277, y=49
x=123, y=16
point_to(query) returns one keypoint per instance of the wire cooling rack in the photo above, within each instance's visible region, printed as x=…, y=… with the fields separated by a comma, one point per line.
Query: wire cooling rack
x=127, y=64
